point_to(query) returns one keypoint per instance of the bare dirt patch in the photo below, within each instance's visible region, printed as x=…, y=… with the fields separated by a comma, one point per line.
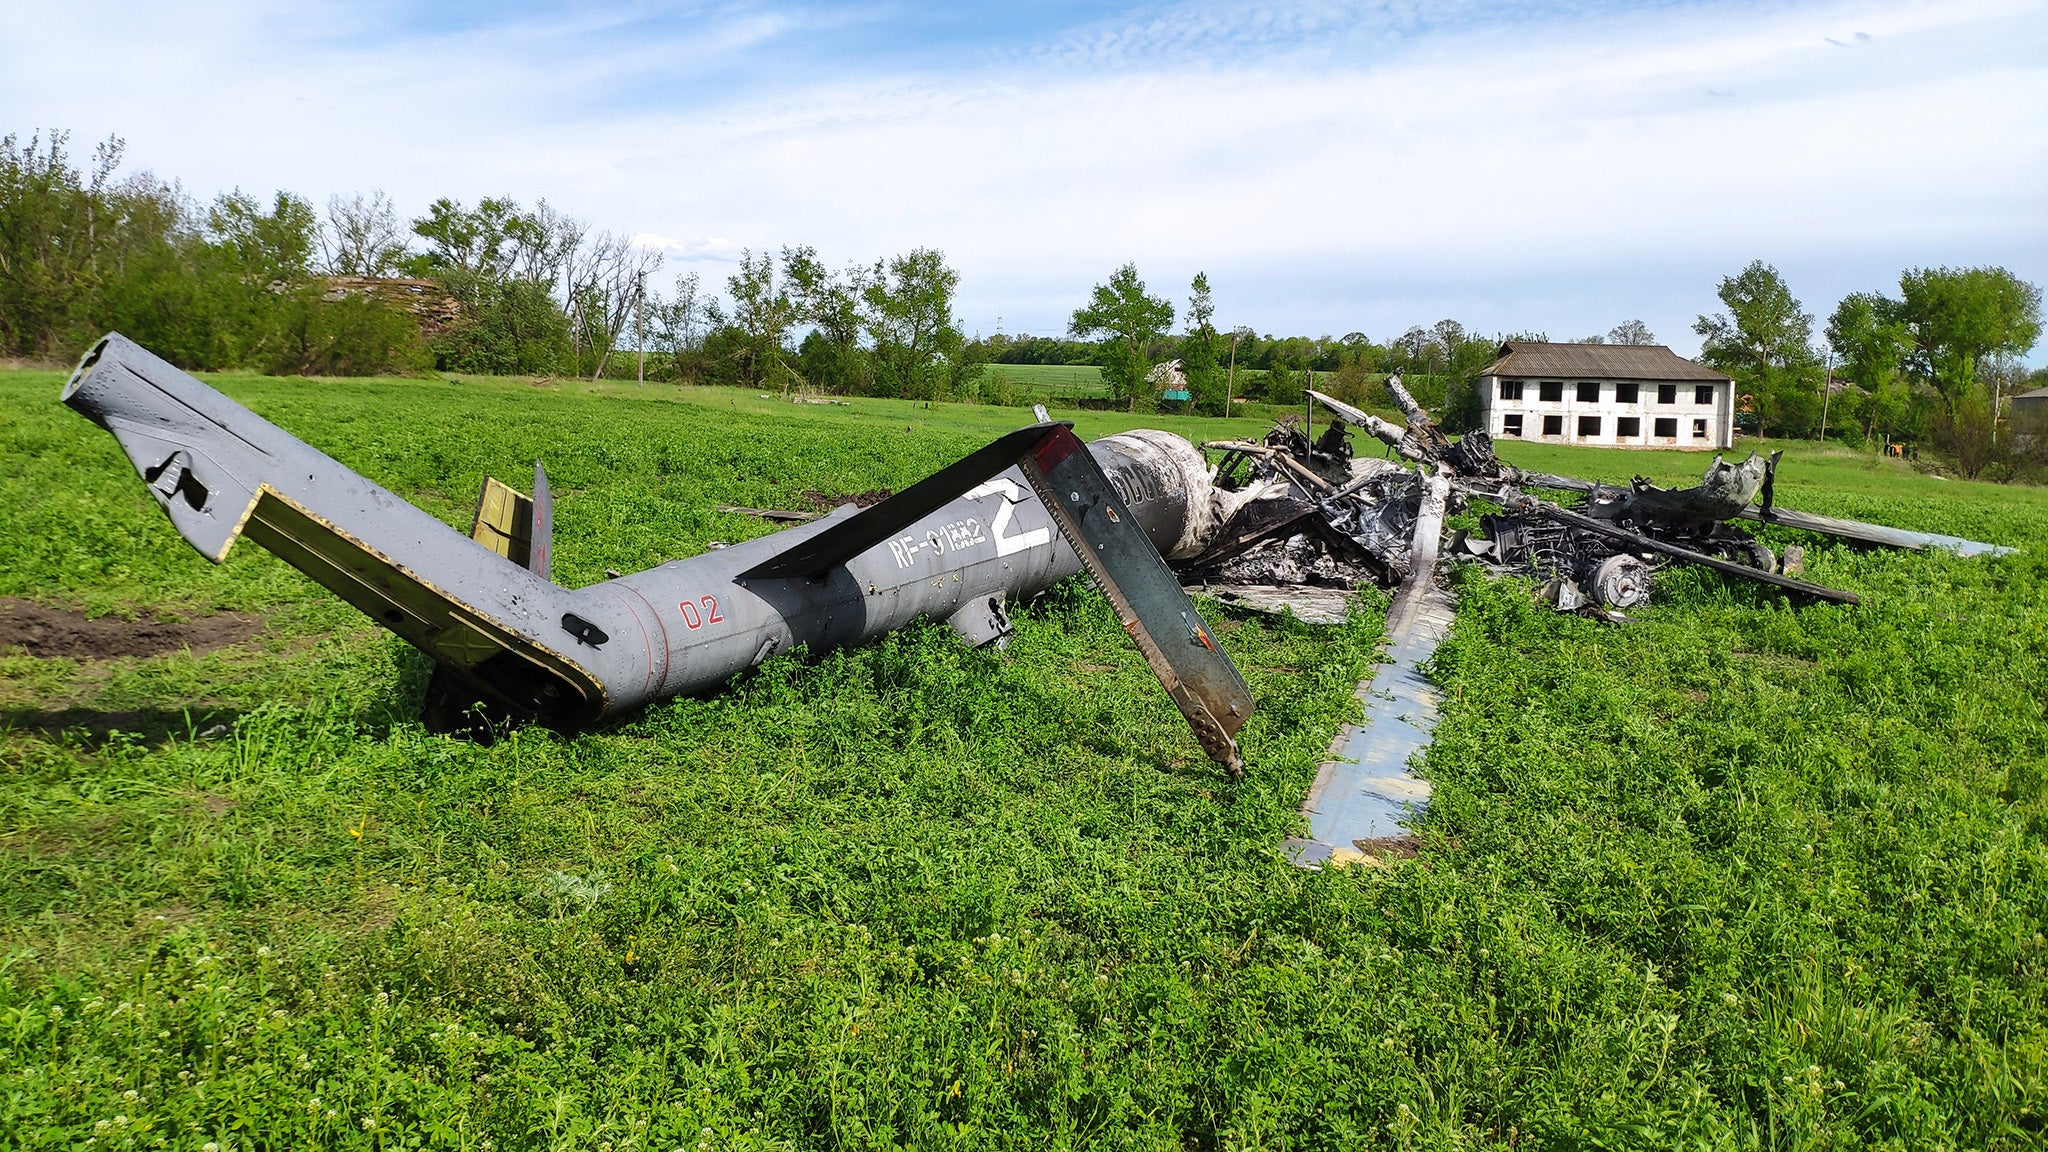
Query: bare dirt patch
x=213, y=803
x=812, y=500
x=46, y=632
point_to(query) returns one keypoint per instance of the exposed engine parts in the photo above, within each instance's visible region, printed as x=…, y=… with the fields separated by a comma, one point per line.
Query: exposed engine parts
x=1310, y=511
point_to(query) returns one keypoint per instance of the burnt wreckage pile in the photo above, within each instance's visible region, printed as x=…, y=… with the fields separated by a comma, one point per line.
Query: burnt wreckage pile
x=1298, y=512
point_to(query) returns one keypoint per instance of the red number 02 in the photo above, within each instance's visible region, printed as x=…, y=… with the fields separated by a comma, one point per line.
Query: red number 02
x=694, y=621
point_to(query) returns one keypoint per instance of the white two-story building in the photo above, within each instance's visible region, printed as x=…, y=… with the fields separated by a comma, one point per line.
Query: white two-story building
x=1611, y=395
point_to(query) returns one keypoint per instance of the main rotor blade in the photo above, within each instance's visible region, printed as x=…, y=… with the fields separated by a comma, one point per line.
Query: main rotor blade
x=868, y=528
x=1151, y=604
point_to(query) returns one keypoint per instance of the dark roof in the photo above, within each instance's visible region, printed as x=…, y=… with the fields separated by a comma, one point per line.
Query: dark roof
x=1596, y=362
x=2036, y=394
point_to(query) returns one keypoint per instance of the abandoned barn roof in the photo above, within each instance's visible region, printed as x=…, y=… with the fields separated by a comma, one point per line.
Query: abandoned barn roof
x=1596, y=361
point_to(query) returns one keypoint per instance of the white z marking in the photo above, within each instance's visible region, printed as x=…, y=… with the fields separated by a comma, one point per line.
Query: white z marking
x=1005, y=544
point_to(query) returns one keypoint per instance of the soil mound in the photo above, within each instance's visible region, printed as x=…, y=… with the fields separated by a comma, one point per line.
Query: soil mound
x=45, y=632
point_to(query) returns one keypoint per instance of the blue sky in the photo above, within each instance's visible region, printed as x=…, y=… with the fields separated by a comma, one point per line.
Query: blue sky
x=1555, y=167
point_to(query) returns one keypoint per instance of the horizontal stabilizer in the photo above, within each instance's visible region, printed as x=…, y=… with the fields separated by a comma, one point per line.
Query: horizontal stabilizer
x=846, y=538
x=518, y=527
x=471, y=646
x=504, y=521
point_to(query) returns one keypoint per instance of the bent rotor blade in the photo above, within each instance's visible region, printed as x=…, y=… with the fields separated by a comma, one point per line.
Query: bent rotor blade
x=1856, y=531
x=1149, y=601
x=1384, y=430
x=1366, y=796
x=869, y=527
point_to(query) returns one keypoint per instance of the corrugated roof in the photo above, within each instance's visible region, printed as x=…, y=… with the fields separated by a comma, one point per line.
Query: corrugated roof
x=1596, y=362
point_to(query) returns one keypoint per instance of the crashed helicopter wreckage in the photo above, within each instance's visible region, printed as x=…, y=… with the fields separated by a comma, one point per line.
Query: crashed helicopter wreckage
x=1008, y=521
x=1320, y=516
x=1142, y=512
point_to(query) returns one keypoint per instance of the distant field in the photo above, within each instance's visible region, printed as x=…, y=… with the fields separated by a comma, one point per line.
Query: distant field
x=1047, y=380
x=1743, y=874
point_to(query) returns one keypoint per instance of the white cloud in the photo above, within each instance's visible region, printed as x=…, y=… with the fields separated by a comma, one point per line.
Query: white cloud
x=692, y=249
x=1331, y=170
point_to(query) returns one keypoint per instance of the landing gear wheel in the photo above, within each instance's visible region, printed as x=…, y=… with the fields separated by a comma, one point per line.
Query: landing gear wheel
x=1752, y=554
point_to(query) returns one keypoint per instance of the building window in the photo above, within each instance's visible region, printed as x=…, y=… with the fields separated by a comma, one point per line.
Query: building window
x=1699, y=429
x=1551, y=390
x=1553, y=425
x=1667, y=393
x=1511, y=424
x=1511, y=389
x=1589, y=392
x=1627, y=426
x=1625, y=393
x=1667, y=426
x=1703, y=394
x=1589, y=425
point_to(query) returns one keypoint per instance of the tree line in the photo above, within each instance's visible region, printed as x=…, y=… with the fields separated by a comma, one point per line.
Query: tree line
x=1126, y=330
x=277, y=286
x=84, y=250
x=1938, y=362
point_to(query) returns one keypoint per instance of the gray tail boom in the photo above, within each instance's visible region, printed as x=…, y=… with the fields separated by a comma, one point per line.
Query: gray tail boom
x=483, y=607
x=221, y=472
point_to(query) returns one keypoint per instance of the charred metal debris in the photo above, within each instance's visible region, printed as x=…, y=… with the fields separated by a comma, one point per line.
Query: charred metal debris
x=1314, y=513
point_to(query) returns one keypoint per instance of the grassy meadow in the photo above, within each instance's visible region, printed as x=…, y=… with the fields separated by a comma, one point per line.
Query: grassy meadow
x=1745, y=874
x=1038, y=382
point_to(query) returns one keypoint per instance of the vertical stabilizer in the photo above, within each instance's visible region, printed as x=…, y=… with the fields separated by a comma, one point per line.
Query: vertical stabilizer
x=540, y=552
x=518, y=527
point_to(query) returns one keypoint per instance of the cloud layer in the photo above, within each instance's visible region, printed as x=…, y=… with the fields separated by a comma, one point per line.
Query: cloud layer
x=1334, y=168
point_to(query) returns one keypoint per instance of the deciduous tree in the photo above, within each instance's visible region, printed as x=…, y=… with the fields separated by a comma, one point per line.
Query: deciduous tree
x=1960, y=321
x=362, y=236
x=1634, y=333
x=1764, y=342
x=918, y=348
x=830, y=303
x=762, y=313
x=1127, y=319
x=1199, y=350
x=269, y=246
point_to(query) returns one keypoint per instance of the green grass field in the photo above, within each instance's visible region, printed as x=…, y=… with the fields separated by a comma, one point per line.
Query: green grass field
x=1060, y=385
x=1742, y=875
x=1052, y=381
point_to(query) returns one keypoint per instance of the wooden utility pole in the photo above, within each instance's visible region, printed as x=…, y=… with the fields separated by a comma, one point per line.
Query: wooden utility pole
x=639, y=330
x=1230, y=378
x=1827, y=393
